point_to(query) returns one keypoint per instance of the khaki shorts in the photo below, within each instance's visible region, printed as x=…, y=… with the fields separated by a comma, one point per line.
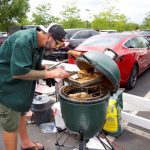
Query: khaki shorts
x=9, y=119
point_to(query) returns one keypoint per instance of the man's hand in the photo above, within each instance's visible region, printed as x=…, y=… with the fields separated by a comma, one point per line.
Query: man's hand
x=57, y=73
x=74, y=53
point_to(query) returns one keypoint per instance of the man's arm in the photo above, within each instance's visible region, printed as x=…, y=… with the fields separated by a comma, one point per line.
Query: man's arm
x=43, y=74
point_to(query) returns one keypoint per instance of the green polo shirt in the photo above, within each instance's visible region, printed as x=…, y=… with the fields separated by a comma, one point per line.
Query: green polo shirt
x=18, y=55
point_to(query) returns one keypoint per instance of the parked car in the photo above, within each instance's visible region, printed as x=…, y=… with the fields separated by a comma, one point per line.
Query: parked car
x=4, y=34
x=133, y=54
x=76, y=36
x=146, y=33
x=107, y=31
x=14, y=29
x=73, y=38
x=2, y=38
x=57, y=55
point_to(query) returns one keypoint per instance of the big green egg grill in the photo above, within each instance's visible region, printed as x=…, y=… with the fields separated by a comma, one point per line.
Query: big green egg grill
x=87, y=118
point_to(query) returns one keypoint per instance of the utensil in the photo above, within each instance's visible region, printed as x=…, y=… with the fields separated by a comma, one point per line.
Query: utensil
x=71, y=73
x=60, y=62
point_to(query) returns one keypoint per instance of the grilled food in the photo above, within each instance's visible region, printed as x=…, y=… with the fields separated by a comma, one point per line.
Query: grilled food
x=81, y=95
x=84, y=75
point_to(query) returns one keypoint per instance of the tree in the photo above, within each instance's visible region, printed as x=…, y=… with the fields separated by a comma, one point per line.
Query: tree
x=43, y=16
x=12, y=12
x=109, y=18
x=146, y=22
x=70, y=17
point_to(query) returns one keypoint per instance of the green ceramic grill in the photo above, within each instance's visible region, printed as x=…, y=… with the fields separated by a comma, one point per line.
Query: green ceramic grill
x=87, y=117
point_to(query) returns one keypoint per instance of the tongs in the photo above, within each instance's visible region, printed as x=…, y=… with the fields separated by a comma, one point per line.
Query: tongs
x=60, y=62
x=71, y=73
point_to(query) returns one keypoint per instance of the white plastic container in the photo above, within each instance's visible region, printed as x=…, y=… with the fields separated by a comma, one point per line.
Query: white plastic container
x=58, y=116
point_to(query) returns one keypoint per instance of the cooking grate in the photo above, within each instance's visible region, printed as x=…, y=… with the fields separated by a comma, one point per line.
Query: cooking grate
x=84, y=93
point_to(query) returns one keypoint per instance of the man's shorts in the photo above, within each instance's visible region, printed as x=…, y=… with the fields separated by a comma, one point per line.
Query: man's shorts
x=9, y=119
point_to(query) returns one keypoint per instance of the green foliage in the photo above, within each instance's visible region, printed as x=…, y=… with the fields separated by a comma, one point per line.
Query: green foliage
x=146, y=23
x=109, y=18
x=102, y=22
x=71, y=18
x=131, y=26
x=43, y=16
x=70, y=11
x=12, y=12
x=73, y=23
x=99, y=23
x=25, y=21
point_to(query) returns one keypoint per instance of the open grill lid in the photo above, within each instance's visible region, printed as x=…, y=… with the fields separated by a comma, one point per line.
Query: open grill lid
x=103, y=64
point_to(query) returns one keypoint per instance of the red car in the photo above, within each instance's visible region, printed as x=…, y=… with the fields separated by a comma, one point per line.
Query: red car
x=133, y=53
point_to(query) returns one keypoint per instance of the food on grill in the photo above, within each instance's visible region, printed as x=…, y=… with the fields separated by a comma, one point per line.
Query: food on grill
x=85, y=72
x=88, y=93
x=83, y=79
x=84, y=75
x=80, y=95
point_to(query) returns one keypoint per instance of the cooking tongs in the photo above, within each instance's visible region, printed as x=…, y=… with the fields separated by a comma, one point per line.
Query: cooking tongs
x=60, y=62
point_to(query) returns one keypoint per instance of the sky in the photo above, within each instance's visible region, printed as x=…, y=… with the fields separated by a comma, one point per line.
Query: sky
x=134, y=10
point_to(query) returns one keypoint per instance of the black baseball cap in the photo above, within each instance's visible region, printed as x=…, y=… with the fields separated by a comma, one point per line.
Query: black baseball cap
x=56, y=31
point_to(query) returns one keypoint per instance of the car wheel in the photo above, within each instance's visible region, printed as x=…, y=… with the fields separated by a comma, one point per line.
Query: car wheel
x=133, y=78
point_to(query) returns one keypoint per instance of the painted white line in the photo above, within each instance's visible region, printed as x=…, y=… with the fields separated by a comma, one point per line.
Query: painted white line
x=138, y=132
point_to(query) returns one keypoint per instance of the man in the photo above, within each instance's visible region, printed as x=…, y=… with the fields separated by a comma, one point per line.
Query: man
x=20, y=66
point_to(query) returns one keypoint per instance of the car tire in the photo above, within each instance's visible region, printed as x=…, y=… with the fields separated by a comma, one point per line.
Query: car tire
x=133, y=78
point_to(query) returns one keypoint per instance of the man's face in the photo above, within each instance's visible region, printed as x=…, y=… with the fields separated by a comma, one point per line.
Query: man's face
x=52, y=44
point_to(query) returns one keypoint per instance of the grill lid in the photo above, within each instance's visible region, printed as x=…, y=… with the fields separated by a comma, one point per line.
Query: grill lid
x=103, y=64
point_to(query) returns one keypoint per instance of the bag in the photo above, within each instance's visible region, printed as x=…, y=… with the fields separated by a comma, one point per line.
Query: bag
x=112, y=125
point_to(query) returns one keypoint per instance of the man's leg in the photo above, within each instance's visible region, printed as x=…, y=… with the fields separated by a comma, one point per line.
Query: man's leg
x=25, y=140
x=9, y=120
x=10, y=140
